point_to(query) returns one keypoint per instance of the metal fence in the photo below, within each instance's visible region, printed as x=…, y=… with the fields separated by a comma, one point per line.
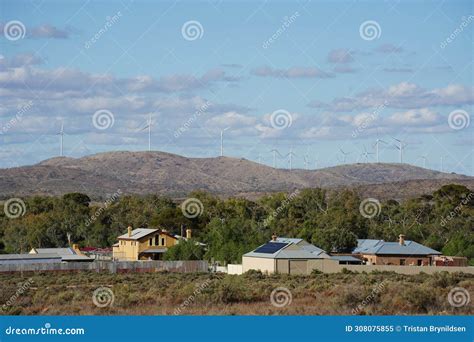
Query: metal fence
x=187, y=266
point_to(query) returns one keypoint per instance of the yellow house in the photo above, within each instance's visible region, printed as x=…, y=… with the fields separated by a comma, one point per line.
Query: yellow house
x=144, y=244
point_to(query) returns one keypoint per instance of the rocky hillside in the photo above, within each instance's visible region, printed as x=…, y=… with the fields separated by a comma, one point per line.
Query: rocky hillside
x=174, y=175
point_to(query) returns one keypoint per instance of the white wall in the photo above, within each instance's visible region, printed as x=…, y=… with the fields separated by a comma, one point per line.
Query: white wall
x=263, y=264
x=234, y=269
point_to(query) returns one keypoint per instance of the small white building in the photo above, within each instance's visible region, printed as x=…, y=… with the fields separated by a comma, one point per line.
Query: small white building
x=283, y=255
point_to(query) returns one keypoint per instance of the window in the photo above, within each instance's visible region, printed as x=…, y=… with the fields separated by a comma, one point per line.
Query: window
x=162, y=241
x=157, y=237
x=402, y=261
x=150, y=242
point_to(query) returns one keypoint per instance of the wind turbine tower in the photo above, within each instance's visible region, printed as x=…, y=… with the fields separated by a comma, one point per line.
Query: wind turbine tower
x=400, y=147
x=61, y=140
x=222, y=140
x=290, y=158
x=424, y=160
x=148, y=126
x=344, y=155
x=275, y=152
x=377, y=142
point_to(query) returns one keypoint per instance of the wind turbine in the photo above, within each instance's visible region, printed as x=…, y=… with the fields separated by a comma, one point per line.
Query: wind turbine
x=442, y=163
x=259, y=158
x=377, y=142
x=400, y=147
x=290, y=156
x=344, y=154
x=366, y=154
x=316, y=162
x=306, y=161
x=222, y=140
x=424, y=157
x=61, y=139
x=148, y=126
x=275, y=152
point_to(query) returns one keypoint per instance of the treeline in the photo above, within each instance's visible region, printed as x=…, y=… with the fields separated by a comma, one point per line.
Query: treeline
x=231, y=227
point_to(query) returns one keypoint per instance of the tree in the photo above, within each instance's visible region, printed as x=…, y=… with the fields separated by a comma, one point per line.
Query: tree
x=335, y=240
x=185, y=250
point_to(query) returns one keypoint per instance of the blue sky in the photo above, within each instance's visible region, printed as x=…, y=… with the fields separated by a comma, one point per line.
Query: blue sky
x=313, y=77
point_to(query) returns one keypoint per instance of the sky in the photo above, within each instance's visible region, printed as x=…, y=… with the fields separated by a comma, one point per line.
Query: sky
x=324, y=80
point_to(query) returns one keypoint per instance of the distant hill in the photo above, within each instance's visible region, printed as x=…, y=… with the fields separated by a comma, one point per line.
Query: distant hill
x=173, y=175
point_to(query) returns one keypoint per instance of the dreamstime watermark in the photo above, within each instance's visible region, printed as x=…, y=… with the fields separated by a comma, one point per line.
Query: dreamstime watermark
x=17, y=118
x=192, y=30
x=185, y=127
x=192, y=298
x=106, y=204
x=103, y=296
x=368, y=120
x=457, y=31
x=370, y=207
x=192, y=207
x=287, y=21
x=14, y=208
x=103, y=119
x=459, y=119
x=46, y=330
x=459, y=297
x=280, y=297
x=370, y=30
x=109, y=22
x=457, y=209
x=370, y=298
x=22, y=289
x=280, y=208
x=281, y=119
x=14, y=30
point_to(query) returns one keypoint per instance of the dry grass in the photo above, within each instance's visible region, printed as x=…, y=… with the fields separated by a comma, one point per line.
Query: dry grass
x=249, y=294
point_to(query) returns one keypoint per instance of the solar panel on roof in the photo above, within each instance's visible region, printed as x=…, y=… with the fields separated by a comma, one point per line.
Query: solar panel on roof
x=270, y=247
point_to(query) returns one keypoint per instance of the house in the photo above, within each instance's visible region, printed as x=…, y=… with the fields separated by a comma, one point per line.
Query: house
x=403, y=252
x=144, y=244
x=67, y=254
x=283, y=255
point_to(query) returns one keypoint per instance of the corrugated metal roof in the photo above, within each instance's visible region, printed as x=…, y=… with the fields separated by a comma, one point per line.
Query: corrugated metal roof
x=381, y=247
x=138, y=233
x=60, y=251
x=345, y=258
x=28, y=256
x=302, y=250
x=288, y=240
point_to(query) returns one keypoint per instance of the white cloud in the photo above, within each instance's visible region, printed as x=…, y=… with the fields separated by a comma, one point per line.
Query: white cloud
x=403, y=95
x=294, y=72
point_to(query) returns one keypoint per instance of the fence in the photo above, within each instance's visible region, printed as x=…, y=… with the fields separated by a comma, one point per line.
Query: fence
x=111, y=266
x=331, y=266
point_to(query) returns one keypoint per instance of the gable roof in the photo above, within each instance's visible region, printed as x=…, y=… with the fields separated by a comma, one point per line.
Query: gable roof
x=305, y=245
x=287, y=248
x=138, y=233
x=66, y=254
x=59, y=251
x=381, y=247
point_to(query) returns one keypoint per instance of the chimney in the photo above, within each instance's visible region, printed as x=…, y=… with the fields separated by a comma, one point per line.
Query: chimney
x=129, y=231
x=401, y=239
x=188, y=233
x=274, y=237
